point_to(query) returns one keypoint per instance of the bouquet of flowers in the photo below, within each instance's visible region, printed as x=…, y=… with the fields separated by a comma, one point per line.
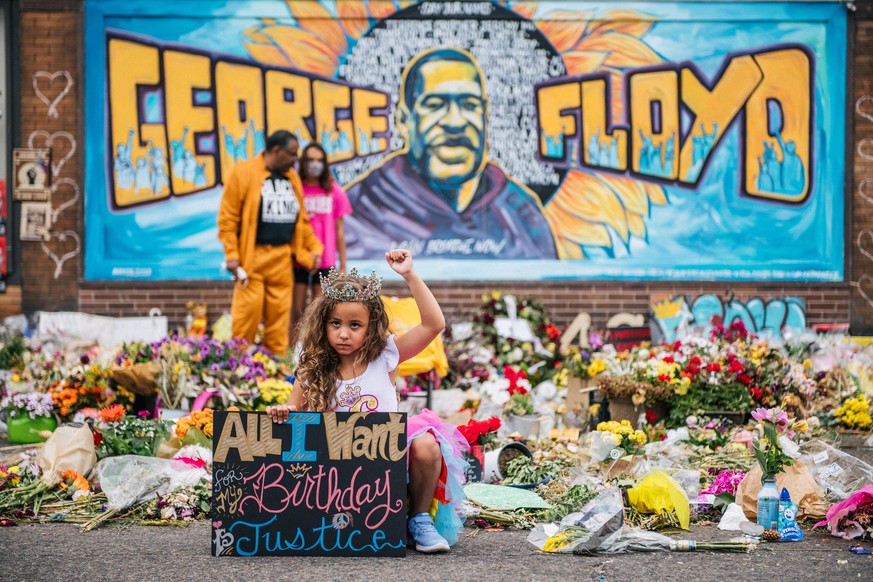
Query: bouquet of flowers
x=130, y=435
x=630, y=440
x=181, y=504
x=480, y=432
x=581, y=364
x=272, y=391
x=855, y=413
x=33, y=404
x=772, y=444
x=196, y=428
x=724, y=487
x=852, y=518
x=9, y=476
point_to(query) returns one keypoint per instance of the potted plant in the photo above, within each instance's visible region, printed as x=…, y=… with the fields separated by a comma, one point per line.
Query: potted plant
x=478, y=434
x=29, y=414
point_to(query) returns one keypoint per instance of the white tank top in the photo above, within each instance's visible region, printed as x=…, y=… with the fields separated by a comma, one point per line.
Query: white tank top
x=372, y=391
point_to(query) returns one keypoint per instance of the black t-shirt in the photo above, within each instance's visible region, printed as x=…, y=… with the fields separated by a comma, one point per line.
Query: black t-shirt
x=279, y=210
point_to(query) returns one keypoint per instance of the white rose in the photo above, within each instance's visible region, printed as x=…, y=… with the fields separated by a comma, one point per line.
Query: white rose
x=789, y=447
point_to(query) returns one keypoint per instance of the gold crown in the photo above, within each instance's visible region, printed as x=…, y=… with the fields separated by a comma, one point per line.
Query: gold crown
x=299, y=470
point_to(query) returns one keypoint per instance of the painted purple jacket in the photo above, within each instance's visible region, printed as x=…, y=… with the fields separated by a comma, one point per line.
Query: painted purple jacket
x=395, y=208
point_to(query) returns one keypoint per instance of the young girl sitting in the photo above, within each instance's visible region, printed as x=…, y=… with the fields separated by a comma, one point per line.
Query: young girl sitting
x=348, y=363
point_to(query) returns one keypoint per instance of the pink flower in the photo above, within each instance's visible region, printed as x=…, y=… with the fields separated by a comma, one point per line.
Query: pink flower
x=782, y=419
x=760, y=414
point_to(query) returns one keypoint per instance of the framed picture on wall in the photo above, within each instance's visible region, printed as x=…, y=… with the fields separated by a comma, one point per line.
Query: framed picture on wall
x=36, y=220
x=31, y=179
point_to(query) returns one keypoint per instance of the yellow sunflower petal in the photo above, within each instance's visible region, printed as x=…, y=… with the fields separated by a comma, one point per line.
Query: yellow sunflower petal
x=587, y=197
x=656, y=194
x=303, y=50
x=525, y=9
x=637, y=225
x=353, y=17
x=631, y=193
x=627, y=21
x=563, y=28
x=582, y=62
x=315, y=18
x=267, y=54
x=380, y=9
x=624, y=50
x=575, y=231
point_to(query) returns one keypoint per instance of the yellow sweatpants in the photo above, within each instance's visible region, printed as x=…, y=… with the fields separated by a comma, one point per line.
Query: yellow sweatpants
x=266, y=295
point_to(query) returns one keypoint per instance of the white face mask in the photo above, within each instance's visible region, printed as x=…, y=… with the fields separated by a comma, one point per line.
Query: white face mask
x=314, y=168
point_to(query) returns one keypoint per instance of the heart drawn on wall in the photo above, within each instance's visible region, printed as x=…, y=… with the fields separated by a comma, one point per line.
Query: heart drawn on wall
x=865, y=288
x=865, y=189
x=864, y=107
x=68, y=185
x=61, y=247
x=48, y=141
x=865, y=148
x=51, y=77
x=865, y=242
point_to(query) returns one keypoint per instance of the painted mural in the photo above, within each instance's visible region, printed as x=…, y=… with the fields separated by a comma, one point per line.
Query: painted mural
x=532, y=140
x=676, y=317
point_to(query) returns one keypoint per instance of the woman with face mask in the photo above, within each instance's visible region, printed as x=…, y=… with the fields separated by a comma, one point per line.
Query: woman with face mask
x=326, y=204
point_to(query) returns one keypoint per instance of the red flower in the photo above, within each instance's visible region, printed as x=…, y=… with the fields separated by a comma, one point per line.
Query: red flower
x=651, y=417
x=744, y=379
x=736, y=367
x=98, y=438
x=756, y=393
x=494, y=423
x=664, y=378
x=676, y=345
x=713, y=367
x=553, y=333
x=514, y=377
x=669, y=359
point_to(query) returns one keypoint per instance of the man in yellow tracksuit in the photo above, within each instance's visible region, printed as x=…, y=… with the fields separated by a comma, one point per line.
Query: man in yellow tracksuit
x=262, y=224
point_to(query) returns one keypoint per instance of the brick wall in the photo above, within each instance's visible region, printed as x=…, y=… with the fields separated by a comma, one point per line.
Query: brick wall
x=825, y=303
x=862, y=182
x=51, y=40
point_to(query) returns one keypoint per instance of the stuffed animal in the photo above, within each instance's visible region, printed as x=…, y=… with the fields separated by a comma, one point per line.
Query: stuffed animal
x=197, y=318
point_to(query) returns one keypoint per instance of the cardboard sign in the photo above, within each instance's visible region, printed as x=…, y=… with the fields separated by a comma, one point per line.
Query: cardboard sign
x=331, y=484
x=517, y=329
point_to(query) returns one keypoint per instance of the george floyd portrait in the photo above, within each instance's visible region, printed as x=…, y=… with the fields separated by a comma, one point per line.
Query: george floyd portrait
x=441, y=196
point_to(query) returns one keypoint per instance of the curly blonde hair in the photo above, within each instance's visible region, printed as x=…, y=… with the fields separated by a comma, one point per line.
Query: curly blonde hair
x=318, y=370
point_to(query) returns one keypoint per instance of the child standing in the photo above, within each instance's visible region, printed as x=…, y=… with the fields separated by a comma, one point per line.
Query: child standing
x=348, y=363
x=326, y=204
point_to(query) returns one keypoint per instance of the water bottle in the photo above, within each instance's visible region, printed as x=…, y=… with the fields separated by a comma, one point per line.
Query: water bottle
x=768, y=504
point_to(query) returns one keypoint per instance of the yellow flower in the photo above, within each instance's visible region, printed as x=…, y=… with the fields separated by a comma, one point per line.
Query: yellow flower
x=594, y=409
x=807, y=363
x=596, y=367
x=682, y=386
x=495, y=295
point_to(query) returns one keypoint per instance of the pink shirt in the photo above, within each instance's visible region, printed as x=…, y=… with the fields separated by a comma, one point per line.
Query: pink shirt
x=324, y=208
